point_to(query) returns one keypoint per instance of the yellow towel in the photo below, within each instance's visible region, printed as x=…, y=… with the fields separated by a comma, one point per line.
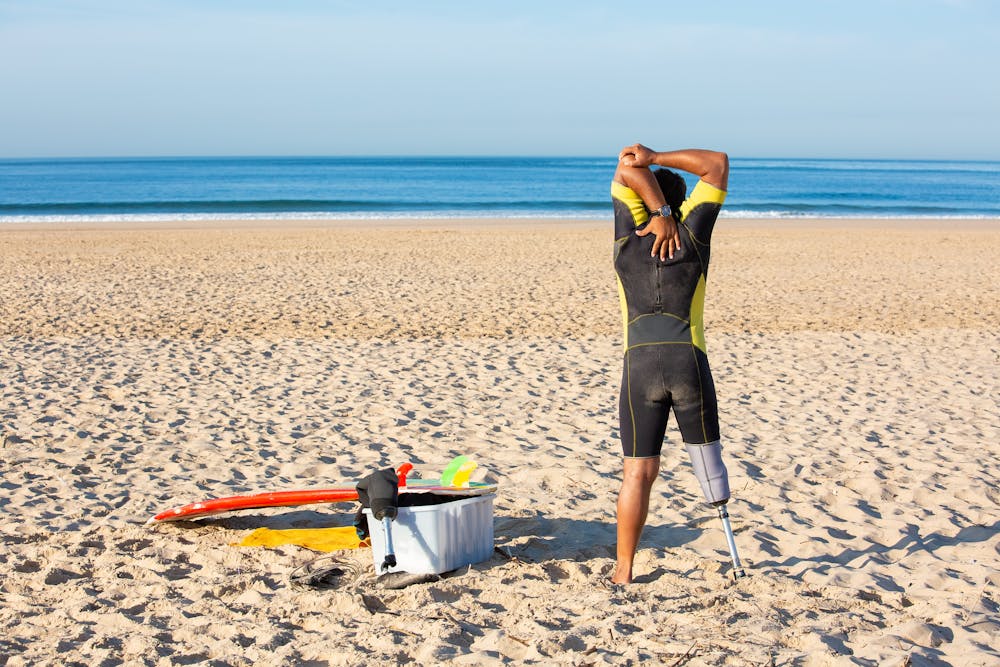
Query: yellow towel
x=317, y=539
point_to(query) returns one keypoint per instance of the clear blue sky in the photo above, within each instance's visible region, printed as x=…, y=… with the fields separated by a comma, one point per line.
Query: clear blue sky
x=816, y=78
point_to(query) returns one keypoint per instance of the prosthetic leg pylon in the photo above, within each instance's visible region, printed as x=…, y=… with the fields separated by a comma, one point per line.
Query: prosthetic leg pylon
x=737, y=565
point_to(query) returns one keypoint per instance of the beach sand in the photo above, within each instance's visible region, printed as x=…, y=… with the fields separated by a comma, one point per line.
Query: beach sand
x=149, y=365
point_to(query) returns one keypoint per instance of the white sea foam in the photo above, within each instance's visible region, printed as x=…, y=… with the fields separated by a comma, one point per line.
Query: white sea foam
x=195, y=217
x=796, y=215
x=522, y=215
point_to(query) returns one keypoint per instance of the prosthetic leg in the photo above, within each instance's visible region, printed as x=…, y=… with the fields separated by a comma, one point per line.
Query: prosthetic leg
x=711, y=473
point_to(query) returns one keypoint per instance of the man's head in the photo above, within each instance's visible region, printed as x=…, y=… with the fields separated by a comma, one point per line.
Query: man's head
x=673, y=186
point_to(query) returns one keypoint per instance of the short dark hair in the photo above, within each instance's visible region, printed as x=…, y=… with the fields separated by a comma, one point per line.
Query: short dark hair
x=673, y=186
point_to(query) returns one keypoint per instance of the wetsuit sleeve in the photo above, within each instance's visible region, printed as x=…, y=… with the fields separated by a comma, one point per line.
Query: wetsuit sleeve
x=630, y=212
x=701, y=209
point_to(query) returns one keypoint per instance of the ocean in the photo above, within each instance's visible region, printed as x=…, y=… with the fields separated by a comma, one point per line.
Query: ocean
x=137, y=189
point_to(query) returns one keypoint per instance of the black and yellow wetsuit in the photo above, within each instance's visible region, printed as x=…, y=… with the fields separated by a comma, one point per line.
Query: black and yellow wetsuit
x=662, y=305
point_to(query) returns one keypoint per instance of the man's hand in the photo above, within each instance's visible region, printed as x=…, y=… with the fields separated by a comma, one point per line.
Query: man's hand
x=668, y=238
x=636, y=155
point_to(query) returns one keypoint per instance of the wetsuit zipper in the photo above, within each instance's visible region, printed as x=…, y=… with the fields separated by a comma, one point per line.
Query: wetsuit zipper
x=658, y=307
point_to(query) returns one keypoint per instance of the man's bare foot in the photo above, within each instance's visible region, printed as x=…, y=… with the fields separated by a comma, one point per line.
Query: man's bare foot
x=621, y=576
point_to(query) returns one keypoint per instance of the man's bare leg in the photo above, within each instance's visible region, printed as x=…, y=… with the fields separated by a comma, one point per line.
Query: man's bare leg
x=633, y=505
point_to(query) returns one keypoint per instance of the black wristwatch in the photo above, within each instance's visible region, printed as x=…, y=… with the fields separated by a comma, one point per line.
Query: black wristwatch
x=664, y=210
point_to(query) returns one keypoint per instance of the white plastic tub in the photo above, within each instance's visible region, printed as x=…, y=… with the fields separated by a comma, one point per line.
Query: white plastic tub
x=436, y=538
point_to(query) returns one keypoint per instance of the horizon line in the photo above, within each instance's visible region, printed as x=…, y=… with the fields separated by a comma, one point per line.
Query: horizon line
x=458, y=156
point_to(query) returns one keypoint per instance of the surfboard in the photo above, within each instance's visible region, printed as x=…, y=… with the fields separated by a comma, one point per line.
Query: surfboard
x=213, y=506
x=453, y=481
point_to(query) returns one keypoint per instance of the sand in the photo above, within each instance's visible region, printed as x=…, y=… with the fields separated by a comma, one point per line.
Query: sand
x=150, y=365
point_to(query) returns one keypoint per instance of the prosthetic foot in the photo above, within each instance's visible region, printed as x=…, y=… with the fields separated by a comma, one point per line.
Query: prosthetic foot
x=714, y=479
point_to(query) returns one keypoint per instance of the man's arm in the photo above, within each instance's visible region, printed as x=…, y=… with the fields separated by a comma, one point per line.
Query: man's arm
x=641, y=181
x=710, y=166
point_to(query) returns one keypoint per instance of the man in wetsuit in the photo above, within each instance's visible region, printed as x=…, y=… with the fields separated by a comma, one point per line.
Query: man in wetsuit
x=662, y=244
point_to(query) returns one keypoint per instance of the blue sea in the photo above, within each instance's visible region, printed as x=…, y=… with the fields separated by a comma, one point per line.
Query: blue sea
x=131, y=189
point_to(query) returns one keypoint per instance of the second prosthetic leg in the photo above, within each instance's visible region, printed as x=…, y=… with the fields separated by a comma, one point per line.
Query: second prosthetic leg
x=711, y=472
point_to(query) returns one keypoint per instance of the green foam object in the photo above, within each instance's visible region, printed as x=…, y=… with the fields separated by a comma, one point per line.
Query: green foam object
x=448, y=474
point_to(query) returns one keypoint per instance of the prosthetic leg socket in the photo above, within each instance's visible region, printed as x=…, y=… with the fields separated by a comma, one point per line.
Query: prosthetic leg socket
x=711, y=472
